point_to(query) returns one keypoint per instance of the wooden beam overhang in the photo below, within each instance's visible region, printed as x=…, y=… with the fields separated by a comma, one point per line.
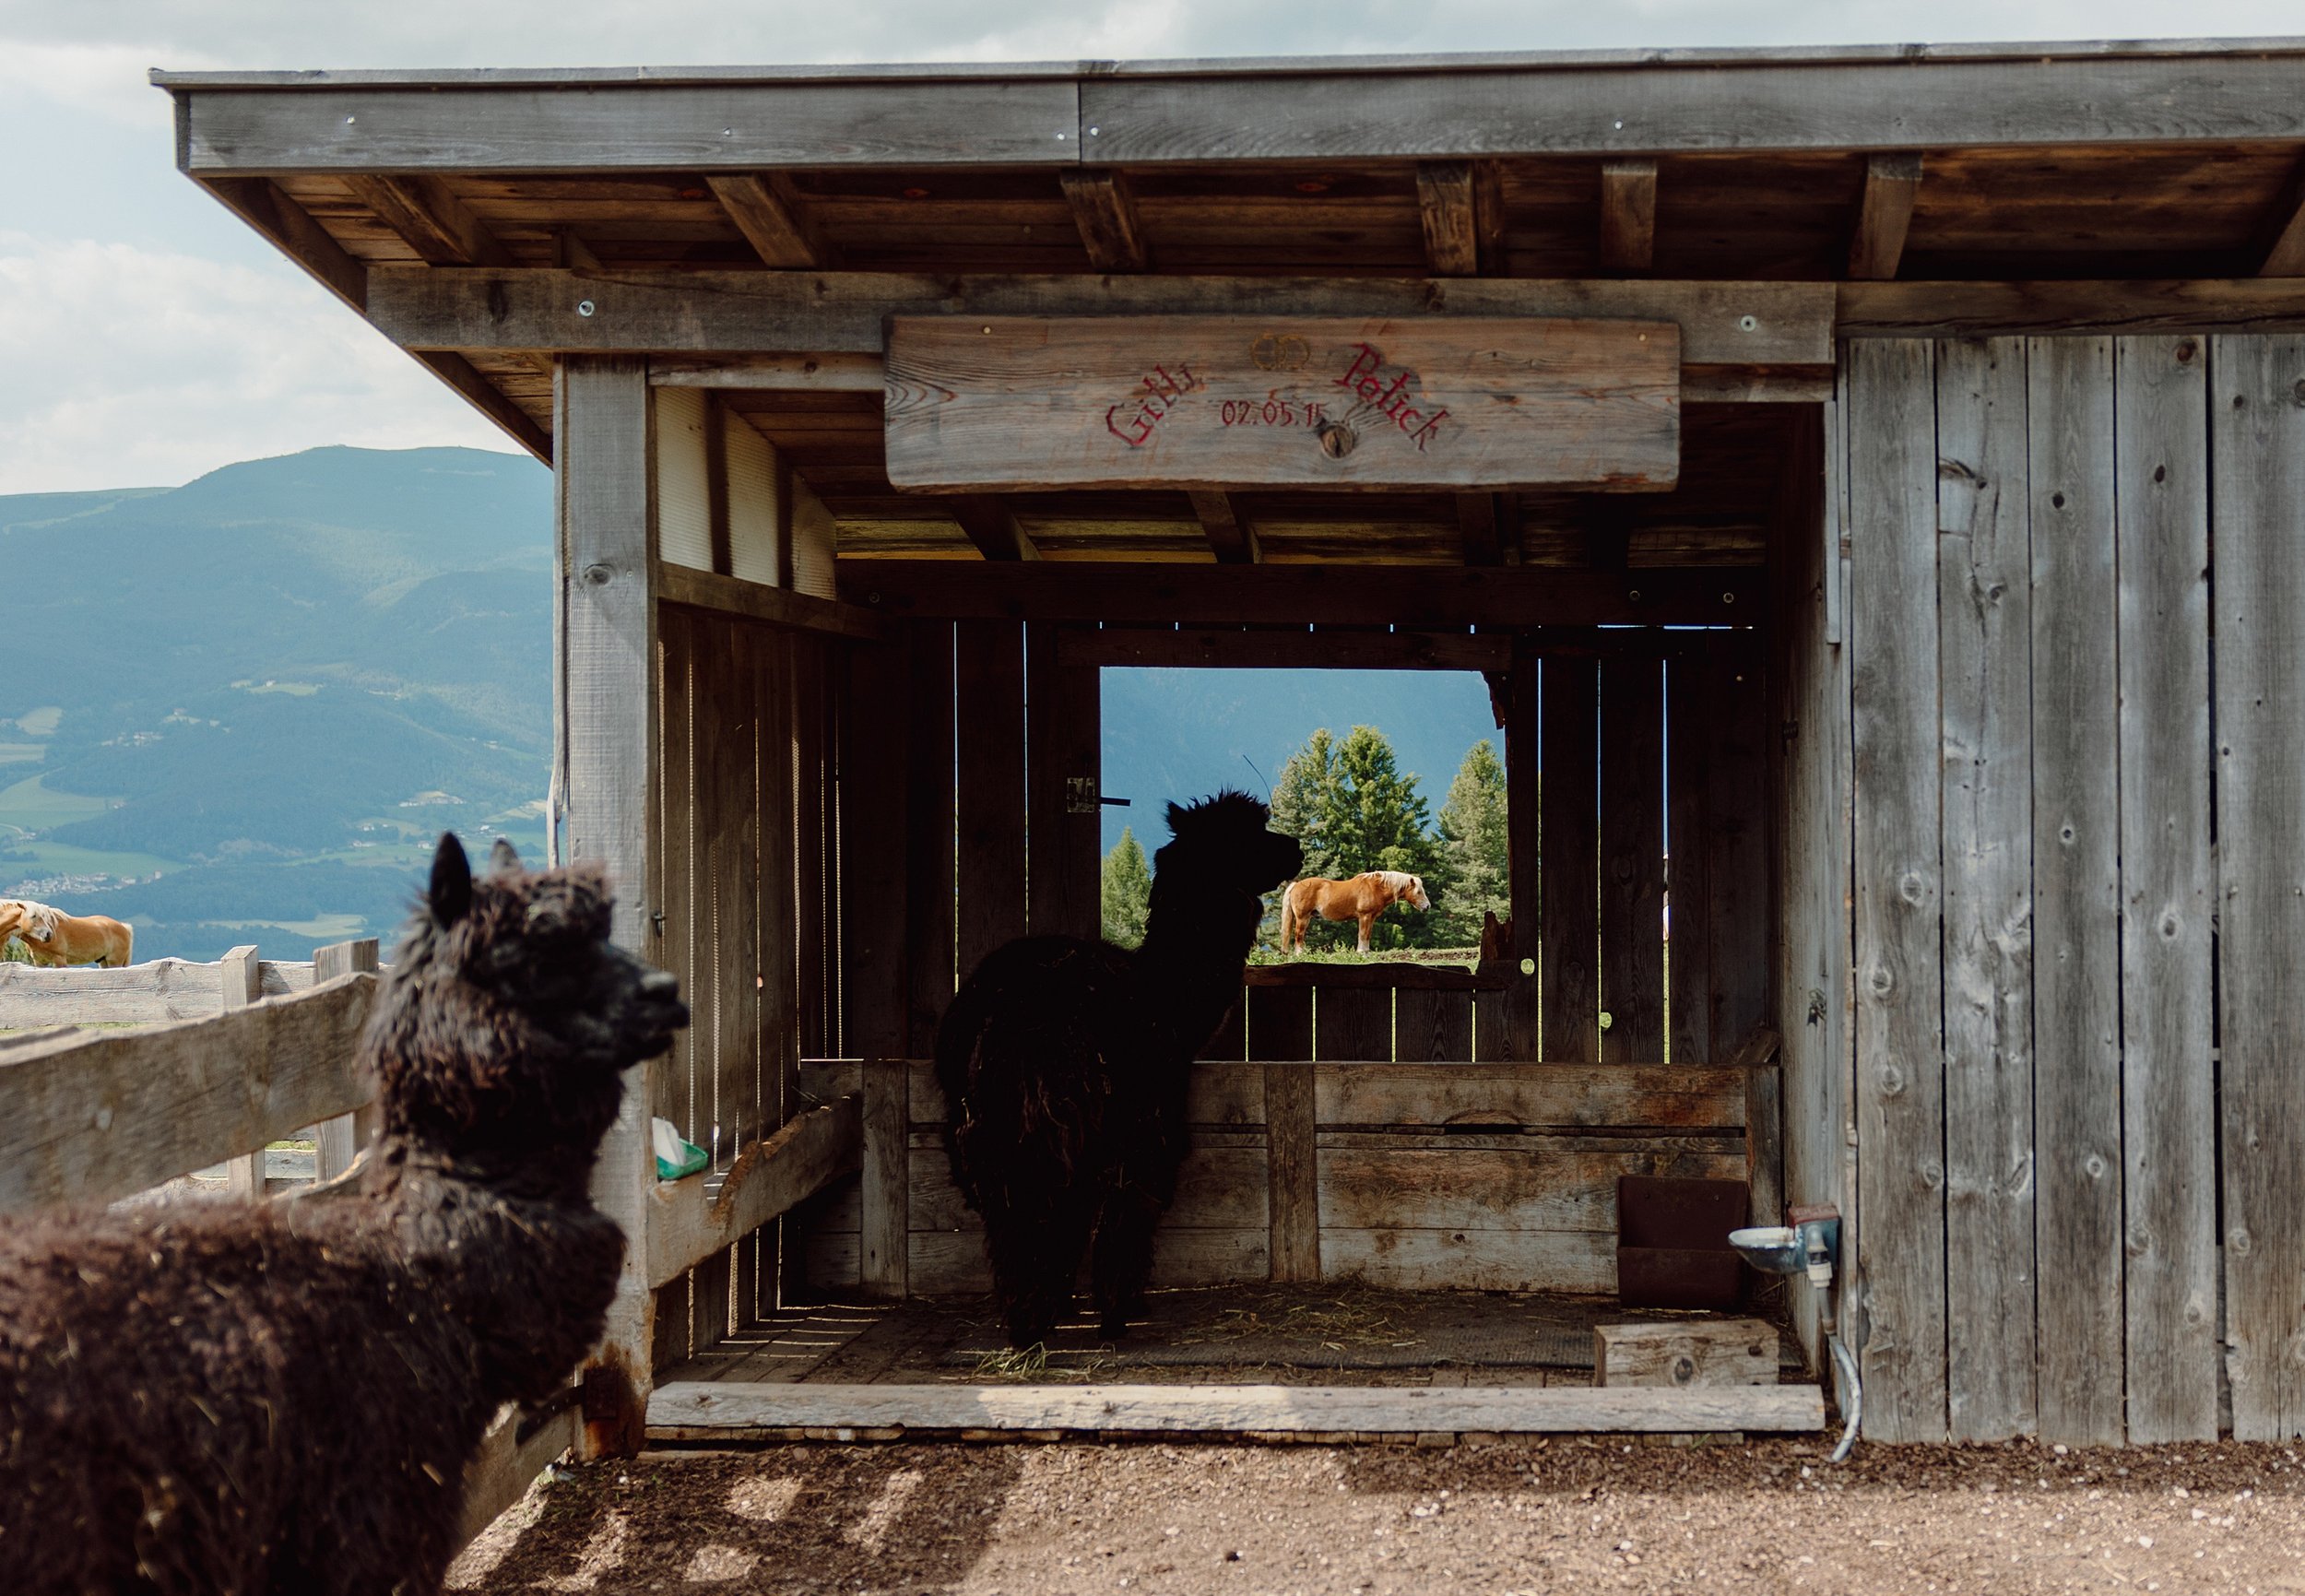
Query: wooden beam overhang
x=430, y=219
x=1877, y=242
x=1230, y=535
x=992, y=526
x=1903, y=309
x=484, y=396
x=267, y=206
x=1777, y=327
x=773, y=217
x=1628, y=216
x=1435, y=596
x=1104, y=210
x=1593, y=103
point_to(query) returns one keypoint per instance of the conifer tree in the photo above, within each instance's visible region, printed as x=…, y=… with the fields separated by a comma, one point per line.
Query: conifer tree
x=1126, y=891
x=1473, y=845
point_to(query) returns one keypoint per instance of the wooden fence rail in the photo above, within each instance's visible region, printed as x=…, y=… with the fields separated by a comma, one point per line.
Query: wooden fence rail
x=151, y=994
x=95, y=1117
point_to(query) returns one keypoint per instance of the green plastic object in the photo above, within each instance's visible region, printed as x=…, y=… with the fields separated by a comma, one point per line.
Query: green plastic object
x=676, y=1159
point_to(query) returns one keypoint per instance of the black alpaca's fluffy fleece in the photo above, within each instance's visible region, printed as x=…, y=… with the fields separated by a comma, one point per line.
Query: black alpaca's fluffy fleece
x=1063, y=1062
x=282, y=1397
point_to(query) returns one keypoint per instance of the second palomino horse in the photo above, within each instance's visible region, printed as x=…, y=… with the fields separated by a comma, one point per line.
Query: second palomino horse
x=1363, y=898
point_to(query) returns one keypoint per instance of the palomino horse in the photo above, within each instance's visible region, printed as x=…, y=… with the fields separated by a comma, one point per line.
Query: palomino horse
x=54, y=938
x=1363, y=898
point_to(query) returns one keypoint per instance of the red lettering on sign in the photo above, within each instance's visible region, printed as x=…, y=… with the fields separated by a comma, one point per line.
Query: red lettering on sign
x=1161, y=396
x=1366, y=377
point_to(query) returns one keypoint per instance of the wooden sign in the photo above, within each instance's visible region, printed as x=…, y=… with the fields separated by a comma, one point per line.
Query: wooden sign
x=1022, y=403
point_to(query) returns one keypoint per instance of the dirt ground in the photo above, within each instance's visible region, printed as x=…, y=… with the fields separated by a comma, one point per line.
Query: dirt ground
x=1568, y=1514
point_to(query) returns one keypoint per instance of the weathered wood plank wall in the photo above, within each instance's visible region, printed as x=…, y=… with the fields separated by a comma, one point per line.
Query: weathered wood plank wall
x=2038, y=528
x=2257, y=453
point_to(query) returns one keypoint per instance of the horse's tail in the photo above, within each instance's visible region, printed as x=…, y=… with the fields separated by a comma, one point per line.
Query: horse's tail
x=1288, y=917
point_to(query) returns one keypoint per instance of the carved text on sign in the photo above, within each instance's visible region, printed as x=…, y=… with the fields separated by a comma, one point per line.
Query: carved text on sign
x=1434, y=402
x=1163, y=392
x=1365, y=378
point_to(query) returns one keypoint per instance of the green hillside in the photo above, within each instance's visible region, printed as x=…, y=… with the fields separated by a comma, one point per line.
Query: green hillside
x=270, y=689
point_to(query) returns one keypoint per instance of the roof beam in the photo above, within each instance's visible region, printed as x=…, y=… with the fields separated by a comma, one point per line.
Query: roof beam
x=2285, y=231
x=1777, y=325
x=773, y=217
x=1478, y=518
x=1229, y=534
x=1905, y=310
x=571, y=253
x=466, y=379
x=1877, y=243
x=265, y=206
x=1104, y=209
x=1629, y=218
x=1171, y=593
x=993, y=528
x=431, y=219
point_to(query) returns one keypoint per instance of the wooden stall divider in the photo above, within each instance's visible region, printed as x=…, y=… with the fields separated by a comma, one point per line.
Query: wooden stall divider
x=1631, y=845
x=1568, y=895
x=1688, y=900
x=1736, y=838
x=241, y=980
x=929, y=824
x=1281, y=1024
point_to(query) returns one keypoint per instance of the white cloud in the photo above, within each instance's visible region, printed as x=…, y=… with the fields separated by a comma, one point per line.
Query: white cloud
x=127, y=366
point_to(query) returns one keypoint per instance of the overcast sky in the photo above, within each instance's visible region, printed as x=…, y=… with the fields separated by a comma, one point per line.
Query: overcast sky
x=146, y=337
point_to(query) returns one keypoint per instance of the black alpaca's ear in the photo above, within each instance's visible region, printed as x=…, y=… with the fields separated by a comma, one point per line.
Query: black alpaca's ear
x=451, y=891
x=504, y=858
x=1175, y=817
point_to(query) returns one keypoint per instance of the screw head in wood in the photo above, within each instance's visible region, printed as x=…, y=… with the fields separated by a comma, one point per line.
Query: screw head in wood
x=1748, y=323
x=584, y=307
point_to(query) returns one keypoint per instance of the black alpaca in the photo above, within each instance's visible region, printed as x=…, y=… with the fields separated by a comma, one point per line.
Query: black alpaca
x=1063, y=1063
x=282, y=1397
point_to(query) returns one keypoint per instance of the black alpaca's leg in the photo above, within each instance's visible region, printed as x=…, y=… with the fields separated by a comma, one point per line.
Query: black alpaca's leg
x=1036, y=1258
x=1122, y=1261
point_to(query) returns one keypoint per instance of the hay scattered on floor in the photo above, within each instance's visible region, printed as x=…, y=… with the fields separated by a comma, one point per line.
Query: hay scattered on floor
x=1337, y=1321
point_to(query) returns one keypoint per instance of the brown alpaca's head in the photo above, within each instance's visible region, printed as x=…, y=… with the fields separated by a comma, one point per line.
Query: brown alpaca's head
x=507, y=1022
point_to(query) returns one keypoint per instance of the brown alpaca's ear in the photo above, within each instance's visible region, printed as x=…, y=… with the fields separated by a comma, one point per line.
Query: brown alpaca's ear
x=451, y=893
x=504, y=858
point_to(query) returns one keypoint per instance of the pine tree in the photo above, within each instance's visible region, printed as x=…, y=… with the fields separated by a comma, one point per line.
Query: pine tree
x=1126, y=891
x=1473, y=845
x=1300, y=801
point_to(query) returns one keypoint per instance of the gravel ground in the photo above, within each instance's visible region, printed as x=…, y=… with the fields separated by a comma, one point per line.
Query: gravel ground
x=1517, y=1516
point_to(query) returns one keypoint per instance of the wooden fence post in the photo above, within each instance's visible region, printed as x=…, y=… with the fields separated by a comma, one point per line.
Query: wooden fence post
x=341, y=1138
x=241, y=980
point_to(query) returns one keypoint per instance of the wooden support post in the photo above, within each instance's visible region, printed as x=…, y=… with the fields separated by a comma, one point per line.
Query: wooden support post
x=1064, y=827
x=1571, y=870
x=241, y=977
x=429, y=219
x=605, y=492
x=992, y=526
x=773, y=218
x=1517, y=1033
x=883, y=1261
x=1105, y=212
x=342, y=1137
x=1229, y=533
x=1877, y=243
x=1296, y=1188
x=1628, y=216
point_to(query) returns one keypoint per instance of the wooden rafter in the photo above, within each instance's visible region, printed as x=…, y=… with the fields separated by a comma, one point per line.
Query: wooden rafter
x=1104, y=209
x=1877, y=243
x=571, y=253
x=484, y=396
x=1628, y=216
x=1461, y=204
x=1608, y=531
x=2284, y=245
x=267, y=206
x=774, y=215
x=992, y=526
x=1229, y=533
x=429, y=218
x=1477, y=525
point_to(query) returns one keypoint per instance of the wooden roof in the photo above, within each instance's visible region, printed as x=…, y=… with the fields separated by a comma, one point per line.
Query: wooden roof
x=471, y=214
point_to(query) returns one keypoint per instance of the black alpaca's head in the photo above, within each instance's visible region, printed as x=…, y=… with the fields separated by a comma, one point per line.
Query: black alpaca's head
x=1223, y=848
x=508, y=1020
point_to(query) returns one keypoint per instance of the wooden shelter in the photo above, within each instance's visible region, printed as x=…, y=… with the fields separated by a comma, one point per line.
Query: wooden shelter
x=1883, y=469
